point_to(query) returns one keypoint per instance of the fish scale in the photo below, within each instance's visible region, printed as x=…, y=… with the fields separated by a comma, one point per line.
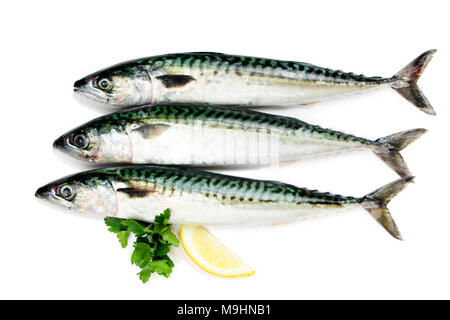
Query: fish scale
x=237, y=116
x=251, y=64
x=193, y=181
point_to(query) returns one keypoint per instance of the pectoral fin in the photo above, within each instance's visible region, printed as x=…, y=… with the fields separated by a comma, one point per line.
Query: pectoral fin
x=175, y=80
x=135, y=192
x=152, y=130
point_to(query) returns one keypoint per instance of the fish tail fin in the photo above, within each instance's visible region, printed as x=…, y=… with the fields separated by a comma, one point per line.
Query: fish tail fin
x=376, y=204
x=389, y=149
x=406, y=84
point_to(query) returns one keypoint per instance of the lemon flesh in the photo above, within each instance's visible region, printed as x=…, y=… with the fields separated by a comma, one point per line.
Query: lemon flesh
x=211, y=255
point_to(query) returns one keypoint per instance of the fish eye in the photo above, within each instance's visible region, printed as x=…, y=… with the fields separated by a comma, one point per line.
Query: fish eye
x=105, y=84
x=66, y=192
x=81, y=141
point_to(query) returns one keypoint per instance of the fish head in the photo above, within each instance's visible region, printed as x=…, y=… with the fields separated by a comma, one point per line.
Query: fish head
x=123, y=85
x=83, y=193
x=98, y=142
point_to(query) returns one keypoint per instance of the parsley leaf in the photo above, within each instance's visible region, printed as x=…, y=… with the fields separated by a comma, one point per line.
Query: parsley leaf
x=163, y=217
x=153, y=242
x=145, y=274
x=162, y=250
x=115, y=224
x=134, y=226
x=161, y=267
x=169, y=261
x=141, y=255
x=123, y=237
x=170, y=238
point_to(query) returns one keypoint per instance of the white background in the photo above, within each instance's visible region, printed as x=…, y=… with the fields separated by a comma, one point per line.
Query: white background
x=49, y=253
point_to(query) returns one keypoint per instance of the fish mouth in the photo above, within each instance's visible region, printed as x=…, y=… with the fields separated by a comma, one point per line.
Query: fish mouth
x=78, y=84
x=42, y=193
x=91, y=93
x=60, y=143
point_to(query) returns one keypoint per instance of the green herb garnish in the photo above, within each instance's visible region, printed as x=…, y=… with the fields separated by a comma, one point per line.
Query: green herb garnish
x=152, y=244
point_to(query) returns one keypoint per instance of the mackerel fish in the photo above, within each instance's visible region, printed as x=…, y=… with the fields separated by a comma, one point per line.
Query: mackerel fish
x=215, y=78
x=200, y=197
x=204, y=135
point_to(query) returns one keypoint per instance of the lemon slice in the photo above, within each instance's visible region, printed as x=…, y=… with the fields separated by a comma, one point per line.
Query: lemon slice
x=211, y=255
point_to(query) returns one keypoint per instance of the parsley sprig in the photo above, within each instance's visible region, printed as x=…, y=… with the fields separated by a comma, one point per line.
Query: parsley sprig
x=152, y=244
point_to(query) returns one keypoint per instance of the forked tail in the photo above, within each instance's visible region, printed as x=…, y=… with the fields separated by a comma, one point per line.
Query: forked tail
x=389, y=149
x=376, y=204
x=406, y=83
